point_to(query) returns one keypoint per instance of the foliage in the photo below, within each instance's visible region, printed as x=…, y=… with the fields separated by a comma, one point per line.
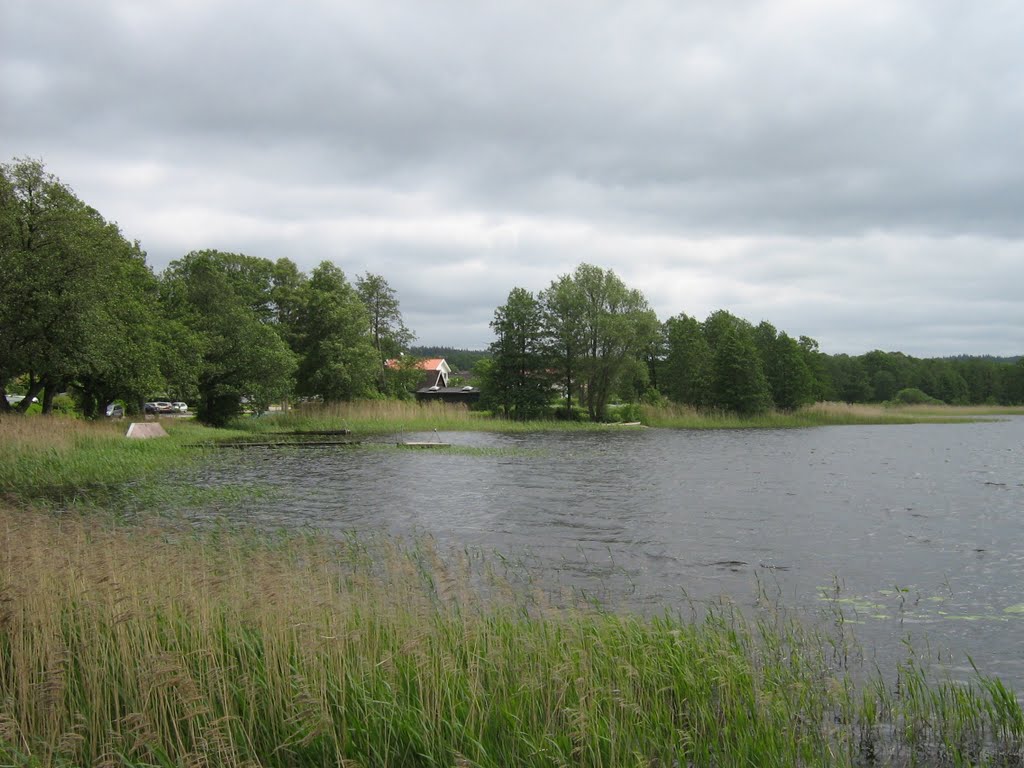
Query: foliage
x=387, y=330
x=223, y=300
x=785, y=367
x=77, y=303
x=337, y=358
x=516, y=380
x=688, y=366
x=914, y=396
x=598, y=334
x=738, y=382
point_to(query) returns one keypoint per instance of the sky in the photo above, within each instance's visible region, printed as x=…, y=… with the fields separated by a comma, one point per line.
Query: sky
x=850, y=170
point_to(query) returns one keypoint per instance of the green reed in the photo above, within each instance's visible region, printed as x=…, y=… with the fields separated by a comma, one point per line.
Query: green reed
x=156, y=645
x=63, y=460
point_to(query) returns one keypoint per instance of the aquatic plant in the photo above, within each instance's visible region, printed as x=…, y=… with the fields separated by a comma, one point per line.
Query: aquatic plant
x=162, y=645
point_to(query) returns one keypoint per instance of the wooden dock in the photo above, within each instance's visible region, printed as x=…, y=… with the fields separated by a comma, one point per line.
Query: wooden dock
x=280, y=444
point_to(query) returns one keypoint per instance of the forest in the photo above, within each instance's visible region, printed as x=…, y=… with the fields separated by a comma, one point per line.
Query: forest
x=85, y=321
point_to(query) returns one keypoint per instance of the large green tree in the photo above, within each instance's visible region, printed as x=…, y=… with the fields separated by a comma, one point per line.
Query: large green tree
x=598, y=329
x=224, y=300
x=738, y=382
x=77, y=302
x=337, y=357
x=688, y=364
x=387, y=329
x=789, y=379
x=517, y=380
x=562, y=307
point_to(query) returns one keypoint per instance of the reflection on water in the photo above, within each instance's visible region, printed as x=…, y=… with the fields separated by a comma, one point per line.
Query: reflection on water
x=919, y=526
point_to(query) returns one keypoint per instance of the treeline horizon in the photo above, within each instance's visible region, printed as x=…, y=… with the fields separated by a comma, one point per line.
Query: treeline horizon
x=598, y=341
x=82, y=312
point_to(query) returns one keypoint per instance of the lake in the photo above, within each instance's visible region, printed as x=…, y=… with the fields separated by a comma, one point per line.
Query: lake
x=914, y=531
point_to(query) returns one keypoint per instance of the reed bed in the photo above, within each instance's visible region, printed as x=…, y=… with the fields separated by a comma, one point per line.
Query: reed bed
x=366, y=417
x=65, y=460
x=816, y=415
x=388, y=416
x=158, y=646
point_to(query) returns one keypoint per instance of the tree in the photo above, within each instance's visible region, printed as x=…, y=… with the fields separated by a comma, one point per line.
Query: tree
x=817, y=363
x=77, y=302
x=617, y=327
x=689, y=363
x=517, y=380
x=789, y=378
x=224, y=300
x=738, y=382
x=562, y=307
x=337, y=357
x=388, y=333
x=849, y=379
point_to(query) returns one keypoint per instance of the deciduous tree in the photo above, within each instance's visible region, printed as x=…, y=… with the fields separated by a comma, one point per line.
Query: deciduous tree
x=517, y=380
x=224, y=300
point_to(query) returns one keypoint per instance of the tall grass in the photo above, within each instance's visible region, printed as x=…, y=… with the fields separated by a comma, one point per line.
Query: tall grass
x=63, y=459
x=155, y=646
x=816, y=415
x=387, y=416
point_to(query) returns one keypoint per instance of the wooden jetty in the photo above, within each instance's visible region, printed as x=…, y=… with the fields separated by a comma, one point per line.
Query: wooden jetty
x=279, y=444
x=321, y=432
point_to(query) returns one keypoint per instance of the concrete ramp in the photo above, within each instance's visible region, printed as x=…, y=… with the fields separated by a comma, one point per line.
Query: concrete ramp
x=143, y=430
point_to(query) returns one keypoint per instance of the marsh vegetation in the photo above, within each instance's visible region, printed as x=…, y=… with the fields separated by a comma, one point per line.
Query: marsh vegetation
x=150, y=645
x=148, y=640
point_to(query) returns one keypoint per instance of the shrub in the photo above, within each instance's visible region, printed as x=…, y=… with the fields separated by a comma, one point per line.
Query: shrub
x=915, y=396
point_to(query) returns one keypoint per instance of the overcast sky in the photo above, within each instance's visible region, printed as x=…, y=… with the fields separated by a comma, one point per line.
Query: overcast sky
x=852, y=171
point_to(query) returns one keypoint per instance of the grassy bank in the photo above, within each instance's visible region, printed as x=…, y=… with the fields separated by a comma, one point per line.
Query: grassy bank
x=154, y=646
x=818, y=415
x=63, y=460
x=375, y=417
x=386, y=416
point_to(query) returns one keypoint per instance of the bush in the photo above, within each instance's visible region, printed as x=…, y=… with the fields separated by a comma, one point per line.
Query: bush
x=625, y=412
x=914, y=396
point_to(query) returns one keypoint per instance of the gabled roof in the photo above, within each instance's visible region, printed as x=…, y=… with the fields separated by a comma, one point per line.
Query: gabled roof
x=433, y=364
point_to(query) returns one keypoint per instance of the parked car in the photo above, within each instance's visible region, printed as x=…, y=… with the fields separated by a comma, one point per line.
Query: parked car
x=180, y=407
x=162, y=406
x=150, y=408
x=15, y=399
x=115, y=411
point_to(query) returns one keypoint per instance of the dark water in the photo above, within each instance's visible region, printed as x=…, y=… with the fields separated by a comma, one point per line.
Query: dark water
x=919, y=527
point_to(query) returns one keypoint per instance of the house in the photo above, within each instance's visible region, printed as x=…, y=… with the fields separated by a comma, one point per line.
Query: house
x=467, y=394
x=434, y=384
x=435, y=371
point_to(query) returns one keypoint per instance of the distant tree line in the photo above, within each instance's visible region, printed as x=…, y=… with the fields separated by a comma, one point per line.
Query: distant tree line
x=81, y=312
x=594, y=341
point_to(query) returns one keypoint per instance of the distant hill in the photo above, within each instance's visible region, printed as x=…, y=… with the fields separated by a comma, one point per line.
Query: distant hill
x=458, y=359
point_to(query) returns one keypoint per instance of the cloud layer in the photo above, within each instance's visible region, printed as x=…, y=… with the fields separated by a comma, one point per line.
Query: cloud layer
x=847, y=170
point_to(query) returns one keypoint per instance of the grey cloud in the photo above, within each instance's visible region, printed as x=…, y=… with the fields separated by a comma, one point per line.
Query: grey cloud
x=748, y=155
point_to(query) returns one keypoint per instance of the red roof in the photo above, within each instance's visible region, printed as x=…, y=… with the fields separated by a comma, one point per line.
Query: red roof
x=433, y=364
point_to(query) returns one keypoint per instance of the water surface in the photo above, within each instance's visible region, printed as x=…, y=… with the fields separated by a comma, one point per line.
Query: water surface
x=919, y=527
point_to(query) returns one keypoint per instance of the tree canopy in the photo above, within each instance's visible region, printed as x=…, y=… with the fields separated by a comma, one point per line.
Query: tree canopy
x=82, y=312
